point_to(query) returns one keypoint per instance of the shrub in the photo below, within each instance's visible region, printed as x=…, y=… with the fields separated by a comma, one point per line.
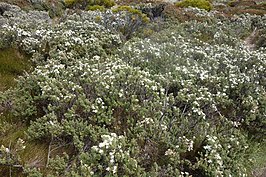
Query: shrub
x=134, y=18
x=132, y=11
x=166, y=105
x=202, y=4
x=105, y=3
x=70, y=2
x=232, y=3
x=96, y=7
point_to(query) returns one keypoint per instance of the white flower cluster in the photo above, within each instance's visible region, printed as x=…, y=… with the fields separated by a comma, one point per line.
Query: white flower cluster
x=212, y=154
x=185, y=174
x=188, y=143
x=169, y=152
x=201, y=12
x=112, y=145
x=31, y=30
x=146, y=121
x=108, y=142
x=198, y=62
x=157, y=88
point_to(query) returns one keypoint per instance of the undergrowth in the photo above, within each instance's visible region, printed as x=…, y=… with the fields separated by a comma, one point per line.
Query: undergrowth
x=116, y=94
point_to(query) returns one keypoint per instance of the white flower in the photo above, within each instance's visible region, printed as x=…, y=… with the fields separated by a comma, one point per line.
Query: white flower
x=154, y=87
x=190, y=146
x=114, y=169
x=169, y=152
x=102, y=144
x=96, y=57
x=7, y=150
x=209, y=161
x=207, y=147
x=51, y=122
x=95, y=148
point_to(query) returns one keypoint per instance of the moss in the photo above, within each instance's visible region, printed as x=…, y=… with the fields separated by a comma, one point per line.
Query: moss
x=34, y=154
x=202, y=4
x=12, y=64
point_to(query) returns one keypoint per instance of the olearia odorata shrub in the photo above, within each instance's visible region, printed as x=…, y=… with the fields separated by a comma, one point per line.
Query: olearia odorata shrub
x=170, y=104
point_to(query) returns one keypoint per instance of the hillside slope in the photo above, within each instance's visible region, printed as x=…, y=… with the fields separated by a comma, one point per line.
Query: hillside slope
x=132, y=88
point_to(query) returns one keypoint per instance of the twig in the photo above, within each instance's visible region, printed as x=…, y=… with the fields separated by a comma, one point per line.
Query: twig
x=59, y=147
x=49, y=152
x=10, y=167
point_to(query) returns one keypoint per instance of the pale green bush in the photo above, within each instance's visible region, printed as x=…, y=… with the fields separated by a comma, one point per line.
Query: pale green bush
x=168, y=105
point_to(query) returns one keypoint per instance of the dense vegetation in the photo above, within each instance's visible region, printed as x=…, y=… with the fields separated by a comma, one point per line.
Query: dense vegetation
x=137, y=90
x=202, y=4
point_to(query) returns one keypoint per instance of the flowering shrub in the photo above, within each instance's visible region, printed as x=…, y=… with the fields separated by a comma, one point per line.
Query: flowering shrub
x=171, y=104
x=10, y=156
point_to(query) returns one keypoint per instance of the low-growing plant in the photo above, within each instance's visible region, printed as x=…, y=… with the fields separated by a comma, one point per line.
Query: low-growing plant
x=171, y=104
x=134, y=18
x=232, y=3
x=96, y=7
x=202, y=4
x=12, y=64
x=132, y=11
x=70, y=2
x=105, y=3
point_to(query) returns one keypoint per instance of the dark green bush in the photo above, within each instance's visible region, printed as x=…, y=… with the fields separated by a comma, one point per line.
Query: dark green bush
x=202, y=4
